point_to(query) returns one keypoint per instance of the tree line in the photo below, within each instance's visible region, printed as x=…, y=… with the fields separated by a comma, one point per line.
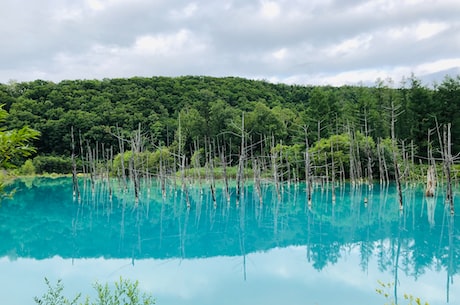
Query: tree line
x=186, y=113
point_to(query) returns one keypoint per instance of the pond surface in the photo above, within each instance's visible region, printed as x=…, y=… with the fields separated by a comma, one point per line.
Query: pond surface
x=277, y=250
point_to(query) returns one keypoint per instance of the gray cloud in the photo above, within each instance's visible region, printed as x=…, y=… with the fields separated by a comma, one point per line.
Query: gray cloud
x=317, y=42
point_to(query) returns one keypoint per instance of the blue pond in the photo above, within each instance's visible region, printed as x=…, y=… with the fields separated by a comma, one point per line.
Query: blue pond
x=278, y=249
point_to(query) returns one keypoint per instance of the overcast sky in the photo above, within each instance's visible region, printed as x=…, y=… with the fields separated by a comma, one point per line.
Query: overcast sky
x=291, y=41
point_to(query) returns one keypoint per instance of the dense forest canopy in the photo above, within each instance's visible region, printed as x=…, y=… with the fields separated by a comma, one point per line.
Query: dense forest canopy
x=187, y=110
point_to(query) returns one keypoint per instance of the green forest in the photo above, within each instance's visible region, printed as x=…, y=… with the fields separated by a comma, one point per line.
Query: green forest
x=200, y=115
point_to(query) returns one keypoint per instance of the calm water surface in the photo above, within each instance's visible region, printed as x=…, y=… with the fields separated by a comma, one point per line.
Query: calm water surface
x=280, y=251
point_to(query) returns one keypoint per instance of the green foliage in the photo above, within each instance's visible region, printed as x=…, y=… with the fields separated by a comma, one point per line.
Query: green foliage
x=292, y=156
x=54, y=295
x=3, y=193
x=15, y=143
x=185, y=110
x=52, y=164
x=264, y=121
x=337, y=147
x=197, y=159
x=146, y=160
x=385, y=290
x=124, y=292
x=28, y=168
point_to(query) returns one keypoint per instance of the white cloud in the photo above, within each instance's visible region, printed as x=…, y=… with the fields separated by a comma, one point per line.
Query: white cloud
x=186, y=12
x=269, y=9
x=67, y=14
x=348, y=46
x=438, y=65
x=293, y=40
x=181, y=41
x=100, y=5
x=280, y=54
x=426, y=30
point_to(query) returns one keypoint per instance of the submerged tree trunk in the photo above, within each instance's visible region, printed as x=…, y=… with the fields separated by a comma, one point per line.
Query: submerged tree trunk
x=430, y=182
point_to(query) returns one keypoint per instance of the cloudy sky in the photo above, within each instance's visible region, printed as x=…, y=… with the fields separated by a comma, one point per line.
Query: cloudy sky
x=291, y=41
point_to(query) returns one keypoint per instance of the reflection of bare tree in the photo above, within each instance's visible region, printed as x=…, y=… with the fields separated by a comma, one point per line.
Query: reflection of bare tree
x=309, y=225
x=242, y=235
x=430, y=209
x=400, y=240
x=396, y=260
x=183, y=232
x=367, y=246
x=451, y=254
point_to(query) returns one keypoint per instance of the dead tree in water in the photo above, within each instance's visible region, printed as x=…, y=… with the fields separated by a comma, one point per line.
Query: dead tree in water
x=274, y=162
x=161, y=172
x=76, y=190
x=386, y=175
x=210, y=163
x=430, y=182
x=308, y=179
x=121, y=147
x=332, y=173
x=91, y=164
x=241, y=160
x=224, y=173
x=353, y=172
x=135, y=161
x=181, y=156
x=394, y=115
x=368, y=152
x=431, y=172
x=109, y=169
x=256, y=170
x=448, y=161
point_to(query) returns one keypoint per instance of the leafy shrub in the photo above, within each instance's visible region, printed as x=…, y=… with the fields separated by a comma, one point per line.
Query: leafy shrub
x=123, y=293
x=28, y=168
x=52, y=164
x=147, y=160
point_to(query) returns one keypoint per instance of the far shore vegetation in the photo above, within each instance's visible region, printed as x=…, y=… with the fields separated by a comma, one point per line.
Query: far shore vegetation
x=207, y=128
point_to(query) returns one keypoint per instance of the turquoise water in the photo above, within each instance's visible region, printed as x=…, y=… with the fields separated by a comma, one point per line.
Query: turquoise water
x=278, y=250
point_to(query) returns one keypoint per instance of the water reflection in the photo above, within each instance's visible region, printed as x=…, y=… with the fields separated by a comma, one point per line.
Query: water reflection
x=278, y=247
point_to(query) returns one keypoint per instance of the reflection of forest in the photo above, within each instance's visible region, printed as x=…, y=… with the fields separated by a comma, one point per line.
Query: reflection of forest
x=43, y=221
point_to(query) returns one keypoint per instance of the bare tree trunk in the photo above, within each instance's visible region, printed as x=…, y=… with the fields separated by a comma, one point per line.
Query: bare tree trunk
x=76, y=189
x=211, y=165
x=430, y=182
x=224, y=170
x=308, y=179
x=431, y=172
x=121, y=147
x=184, y=183
x=274, y=157
x=379, y=157
x=448, y=166
x=136, y=147
x=256, y=169
x=368, y=153
x=395, y=157
x=240, y=178
x=82, y=155
x=352, y=159
x=332, y=173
